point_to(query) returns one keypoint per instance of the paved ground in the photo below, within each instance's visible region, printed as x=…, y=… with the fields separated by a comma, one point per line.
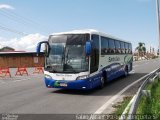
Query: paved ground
x=29, y=95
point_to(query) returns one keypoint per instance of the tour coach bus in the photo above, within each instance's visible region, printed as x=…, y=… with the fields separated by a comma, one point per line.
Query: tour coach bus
x=85, y=59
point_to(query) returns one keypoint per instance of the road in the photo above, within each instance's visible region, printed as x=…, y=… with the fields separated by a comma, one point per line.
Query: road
x=29, y=95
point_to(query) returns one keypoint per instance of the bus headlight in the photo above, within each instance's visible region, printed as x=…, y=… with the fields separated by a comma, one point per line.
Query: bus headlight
x=47, y=76
x=82, y=77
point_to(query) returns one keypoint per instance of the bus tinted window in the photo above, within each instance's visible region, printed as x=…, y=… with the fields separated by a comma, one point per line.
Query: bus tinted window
x=95, y=53
x=130, y=48
x=117, y=45
x=126, y=47
x=122, y=47
x=111, y=46
x=104, y=45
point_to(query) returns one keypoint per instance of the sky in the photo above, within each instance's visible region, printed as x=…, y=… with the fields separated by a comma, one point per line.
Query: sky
x=23, y=23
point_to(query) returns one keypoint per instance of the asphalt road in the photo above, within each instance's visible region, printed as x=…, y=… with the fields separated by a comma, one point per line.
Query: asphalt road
x=29, y=95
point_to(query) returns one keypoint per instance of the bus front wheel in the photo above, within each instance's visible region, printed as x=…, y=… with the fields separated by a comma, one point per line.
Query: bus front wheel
x=102, y=82
x=126, y=71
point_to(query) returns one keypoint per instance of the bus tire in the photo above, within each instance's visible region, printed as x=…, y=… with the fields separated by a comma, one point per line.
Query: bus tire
x=102, y=82
x=126, y=71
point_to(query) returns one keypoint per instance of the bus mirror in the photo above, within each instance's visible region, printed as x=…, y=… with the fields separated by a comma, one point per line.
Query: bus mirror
x=88, y=48
x=39, y=47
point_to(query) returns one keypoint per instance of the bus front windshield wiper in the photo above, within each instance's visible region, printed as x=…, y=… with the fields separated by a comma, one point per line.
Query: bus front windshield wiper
x=51, y=69
x=68, y=68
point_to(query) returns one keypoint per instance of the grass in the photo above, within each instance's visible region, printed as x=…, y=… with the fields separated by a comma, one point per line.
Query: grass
x=148, y=108
x=151, y=106
x=120, y=106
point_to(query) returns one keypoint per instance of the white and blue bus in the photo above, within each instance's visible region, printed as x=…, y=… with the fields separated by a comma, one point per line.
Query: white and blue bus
x=85, y=59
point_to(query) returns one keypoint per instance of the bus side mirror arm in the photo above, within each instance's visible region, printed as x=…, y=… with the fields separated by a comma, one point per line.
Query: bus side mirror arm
x=39, y=47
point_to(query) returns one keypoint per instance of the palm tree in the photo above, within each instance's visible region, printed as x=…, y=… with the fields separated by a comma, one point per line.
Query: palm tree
x=141, y=49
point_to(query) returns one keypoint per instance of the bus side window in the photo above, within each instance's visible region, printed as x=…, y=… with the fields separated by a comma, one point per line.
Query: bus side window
x=126, y=48
x=111, y=46
x=95, y=54
x=122, y=47
x=130, y=48
x=117, y=45
x=104, y=46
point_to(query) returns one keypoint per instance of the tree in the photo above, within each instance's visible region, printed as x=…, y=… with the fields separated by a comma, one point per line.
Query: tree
x=6, y=49
x=141, y=49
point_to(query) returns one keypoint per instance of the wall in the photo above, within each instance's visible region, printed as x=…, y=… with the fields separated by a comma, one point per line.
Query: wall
x=21, y=60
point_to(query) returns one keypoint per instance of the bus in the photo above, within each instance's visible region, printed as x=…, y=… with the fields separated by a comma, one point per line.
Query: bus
x=84, y=59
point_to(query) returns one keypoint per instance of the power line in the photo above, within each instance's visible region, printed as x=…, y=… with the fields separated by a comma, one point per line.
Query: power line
x=12, y=30
x=3, y=27
x=21, y=17
x=23, y=20
x=12, y=18
x=16, y=17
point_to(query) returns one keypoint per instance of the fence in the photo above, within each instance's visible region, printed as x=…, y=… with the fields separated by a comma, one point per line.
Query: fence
x=137, y=97
x=20, y=71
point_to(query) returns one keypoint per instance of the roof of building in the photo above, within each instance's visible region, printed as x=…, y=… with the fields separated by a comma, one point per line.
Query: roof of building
x=19, y=53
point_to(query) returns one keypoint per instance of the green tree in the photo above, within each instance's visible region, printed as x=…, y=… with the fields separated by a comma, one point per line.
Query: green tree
x=141, y=49
x=6, y=48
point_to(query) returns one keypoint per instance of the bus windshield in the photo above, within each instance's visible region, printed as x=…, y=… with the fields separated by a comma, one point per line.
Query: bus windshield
x=67, y=54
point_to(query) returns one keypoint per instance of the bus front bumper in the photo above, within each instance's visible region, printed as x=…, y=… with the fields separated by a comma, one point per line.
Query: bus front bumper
x=76, y=84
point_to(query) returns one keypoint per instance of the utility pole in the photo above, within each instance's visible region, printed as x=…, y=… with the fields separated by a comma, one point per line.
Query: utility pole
x=158, y=22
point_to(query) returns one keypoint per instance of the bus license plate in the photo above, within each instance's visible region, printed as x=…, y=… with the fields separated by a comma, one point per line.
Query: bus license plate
x=63, y=84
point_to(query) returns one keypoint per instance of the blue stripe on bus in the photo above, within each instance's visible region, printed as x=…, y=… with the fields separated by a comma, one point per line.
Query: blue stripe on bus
x=76, y=84
x=91, y=82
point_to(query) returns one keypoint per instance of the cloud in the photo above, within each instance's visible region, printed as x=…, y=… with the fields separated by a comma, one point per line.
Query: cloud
x=5, y=6
x=27, y=43
x=1, y=39
x=1, y=46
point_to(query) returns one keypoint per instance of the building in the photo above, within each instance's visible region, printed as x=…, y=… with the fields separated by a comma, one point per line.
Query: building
x=21, y=59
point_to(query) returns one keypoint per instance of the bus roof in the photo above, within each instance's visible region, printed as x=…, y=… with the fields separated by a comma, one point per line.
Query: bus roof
x=90, y=31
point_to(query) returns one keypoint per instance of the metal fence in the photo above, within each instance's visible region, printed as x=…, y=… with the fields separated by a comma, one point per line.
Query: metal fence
x=142, y=91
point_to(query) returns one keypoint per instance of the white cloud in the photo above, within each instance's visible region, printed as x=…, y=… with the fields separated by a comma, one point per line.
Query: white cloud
x=1, y=39
x=1, y=46
x=27, y=43
x=5, y=6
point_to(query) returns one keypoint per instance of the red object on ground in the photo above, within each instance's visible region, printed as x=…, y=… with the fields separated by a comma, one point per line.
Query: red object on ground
x=21, y=71
x=38, y=70
x=5, y=72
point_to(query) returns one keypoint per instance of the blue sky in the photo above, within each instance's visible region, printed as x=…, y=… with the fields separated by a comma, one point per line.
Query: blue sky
x=132, y=20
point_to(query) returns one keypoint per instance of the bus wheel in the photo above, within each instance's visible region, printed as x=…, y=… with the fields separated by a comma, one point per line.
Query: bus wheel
x=126, y=71
x=102, y=82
